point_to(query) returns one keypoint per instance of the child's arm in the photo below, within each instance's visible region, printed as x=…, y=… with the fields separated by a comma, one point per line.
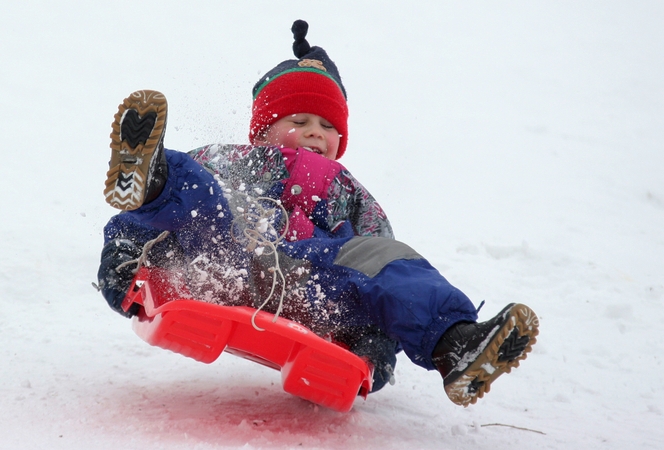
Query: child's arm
x=354, y=202
x=320, y=195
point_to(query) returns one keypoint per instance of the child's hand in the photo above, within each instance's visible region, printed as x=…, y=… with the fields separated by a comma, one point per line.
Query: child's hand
x=380, y=350
x=377, y=348
x=114, y=283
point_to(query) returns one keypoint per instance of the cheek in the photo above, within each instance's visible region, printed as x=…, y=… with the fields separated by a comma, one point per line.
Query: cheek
x=333, y=138
x=290, y=138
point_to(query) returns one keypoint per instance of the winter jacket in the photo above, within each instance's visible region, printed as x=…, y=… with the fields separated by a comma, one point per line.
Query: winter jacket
x=319, y=194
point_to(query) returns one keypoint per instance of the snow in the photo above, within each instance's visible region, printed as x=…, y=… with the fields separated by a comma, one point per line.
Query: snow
x=517, y=145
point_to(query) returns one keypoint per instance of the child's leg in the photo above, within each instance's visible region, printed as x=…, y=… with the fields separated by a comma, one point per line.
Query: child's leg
x=399, y=291
x=193, y=208
x=168, y=190
x=164, y=189
x=386, y=283
x=191, y=205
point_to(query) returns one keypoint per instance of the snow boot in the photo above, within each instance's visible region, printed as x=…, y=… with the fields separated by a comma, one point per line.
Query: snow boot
x=470, y=356
x=137, y=170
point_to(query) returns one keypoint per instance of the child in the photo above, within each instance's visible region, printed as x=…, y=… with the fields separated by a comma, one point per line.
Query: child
x=283, y=213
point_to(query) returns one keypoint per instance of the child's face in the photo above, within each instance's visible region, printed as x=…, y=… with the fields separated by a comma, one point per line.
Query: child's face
x=303, y=130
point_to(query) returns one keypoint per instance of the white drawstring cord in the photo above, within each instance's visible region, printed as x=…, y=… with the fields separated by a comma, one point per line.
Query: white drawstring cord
x=138, y=261
x=257, y=238
x=144, y=254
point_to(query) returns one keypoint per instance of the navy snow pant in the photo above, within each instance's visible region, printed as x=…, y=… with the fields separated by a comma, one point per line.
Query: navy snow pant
x=373, y=281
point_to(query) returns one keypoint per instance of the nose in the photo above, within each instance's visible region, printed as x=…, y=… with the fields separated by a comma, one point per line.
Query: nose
x=315, y=131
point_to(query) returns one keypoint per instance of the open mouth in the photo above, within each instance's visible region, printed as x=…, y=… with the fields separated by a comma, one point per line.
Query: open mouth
x=314, y=150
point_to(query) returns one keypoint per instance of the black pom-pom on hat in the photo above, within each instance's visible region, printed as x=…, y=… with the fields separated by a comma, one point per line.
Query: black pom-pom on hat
x=300, y=46
x=302, y=50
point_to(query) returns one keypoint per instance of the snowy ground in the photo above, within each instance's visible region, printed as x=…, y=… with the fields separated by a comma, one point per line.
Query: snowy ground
x=517, y=145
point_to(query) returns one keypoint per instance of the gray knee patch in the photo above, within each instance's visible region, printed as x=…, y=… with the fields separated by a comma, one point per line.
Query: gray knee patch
x=370, y=255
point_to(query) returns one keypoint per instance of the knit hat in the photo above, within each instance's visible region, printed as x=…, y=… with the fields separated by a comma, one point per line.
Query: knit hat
x=310, y=84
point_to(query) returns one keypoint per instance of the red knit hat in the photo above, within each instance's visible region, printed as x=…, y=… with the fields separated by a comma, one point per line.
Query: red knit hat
x=310, y=84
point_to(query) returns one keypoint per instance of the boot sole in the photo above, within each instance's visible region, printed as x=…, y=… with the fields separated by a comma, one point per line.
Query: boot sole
x=136, y=138
x=507, y=348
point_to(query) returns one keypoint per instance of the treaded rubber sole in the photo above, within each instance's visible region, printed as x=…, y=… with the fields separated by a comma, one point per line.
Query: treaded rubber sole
x=137, y=134
x=509, y=346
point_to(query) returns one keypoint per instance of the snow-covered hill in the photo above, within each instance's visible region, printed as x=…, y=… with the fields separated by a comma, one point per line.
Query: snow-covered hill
x=517, y=145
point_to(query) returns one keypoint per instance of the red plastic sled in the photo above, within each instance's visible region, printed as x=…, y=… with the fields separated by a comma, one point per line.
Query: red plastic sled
x=311, y=367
